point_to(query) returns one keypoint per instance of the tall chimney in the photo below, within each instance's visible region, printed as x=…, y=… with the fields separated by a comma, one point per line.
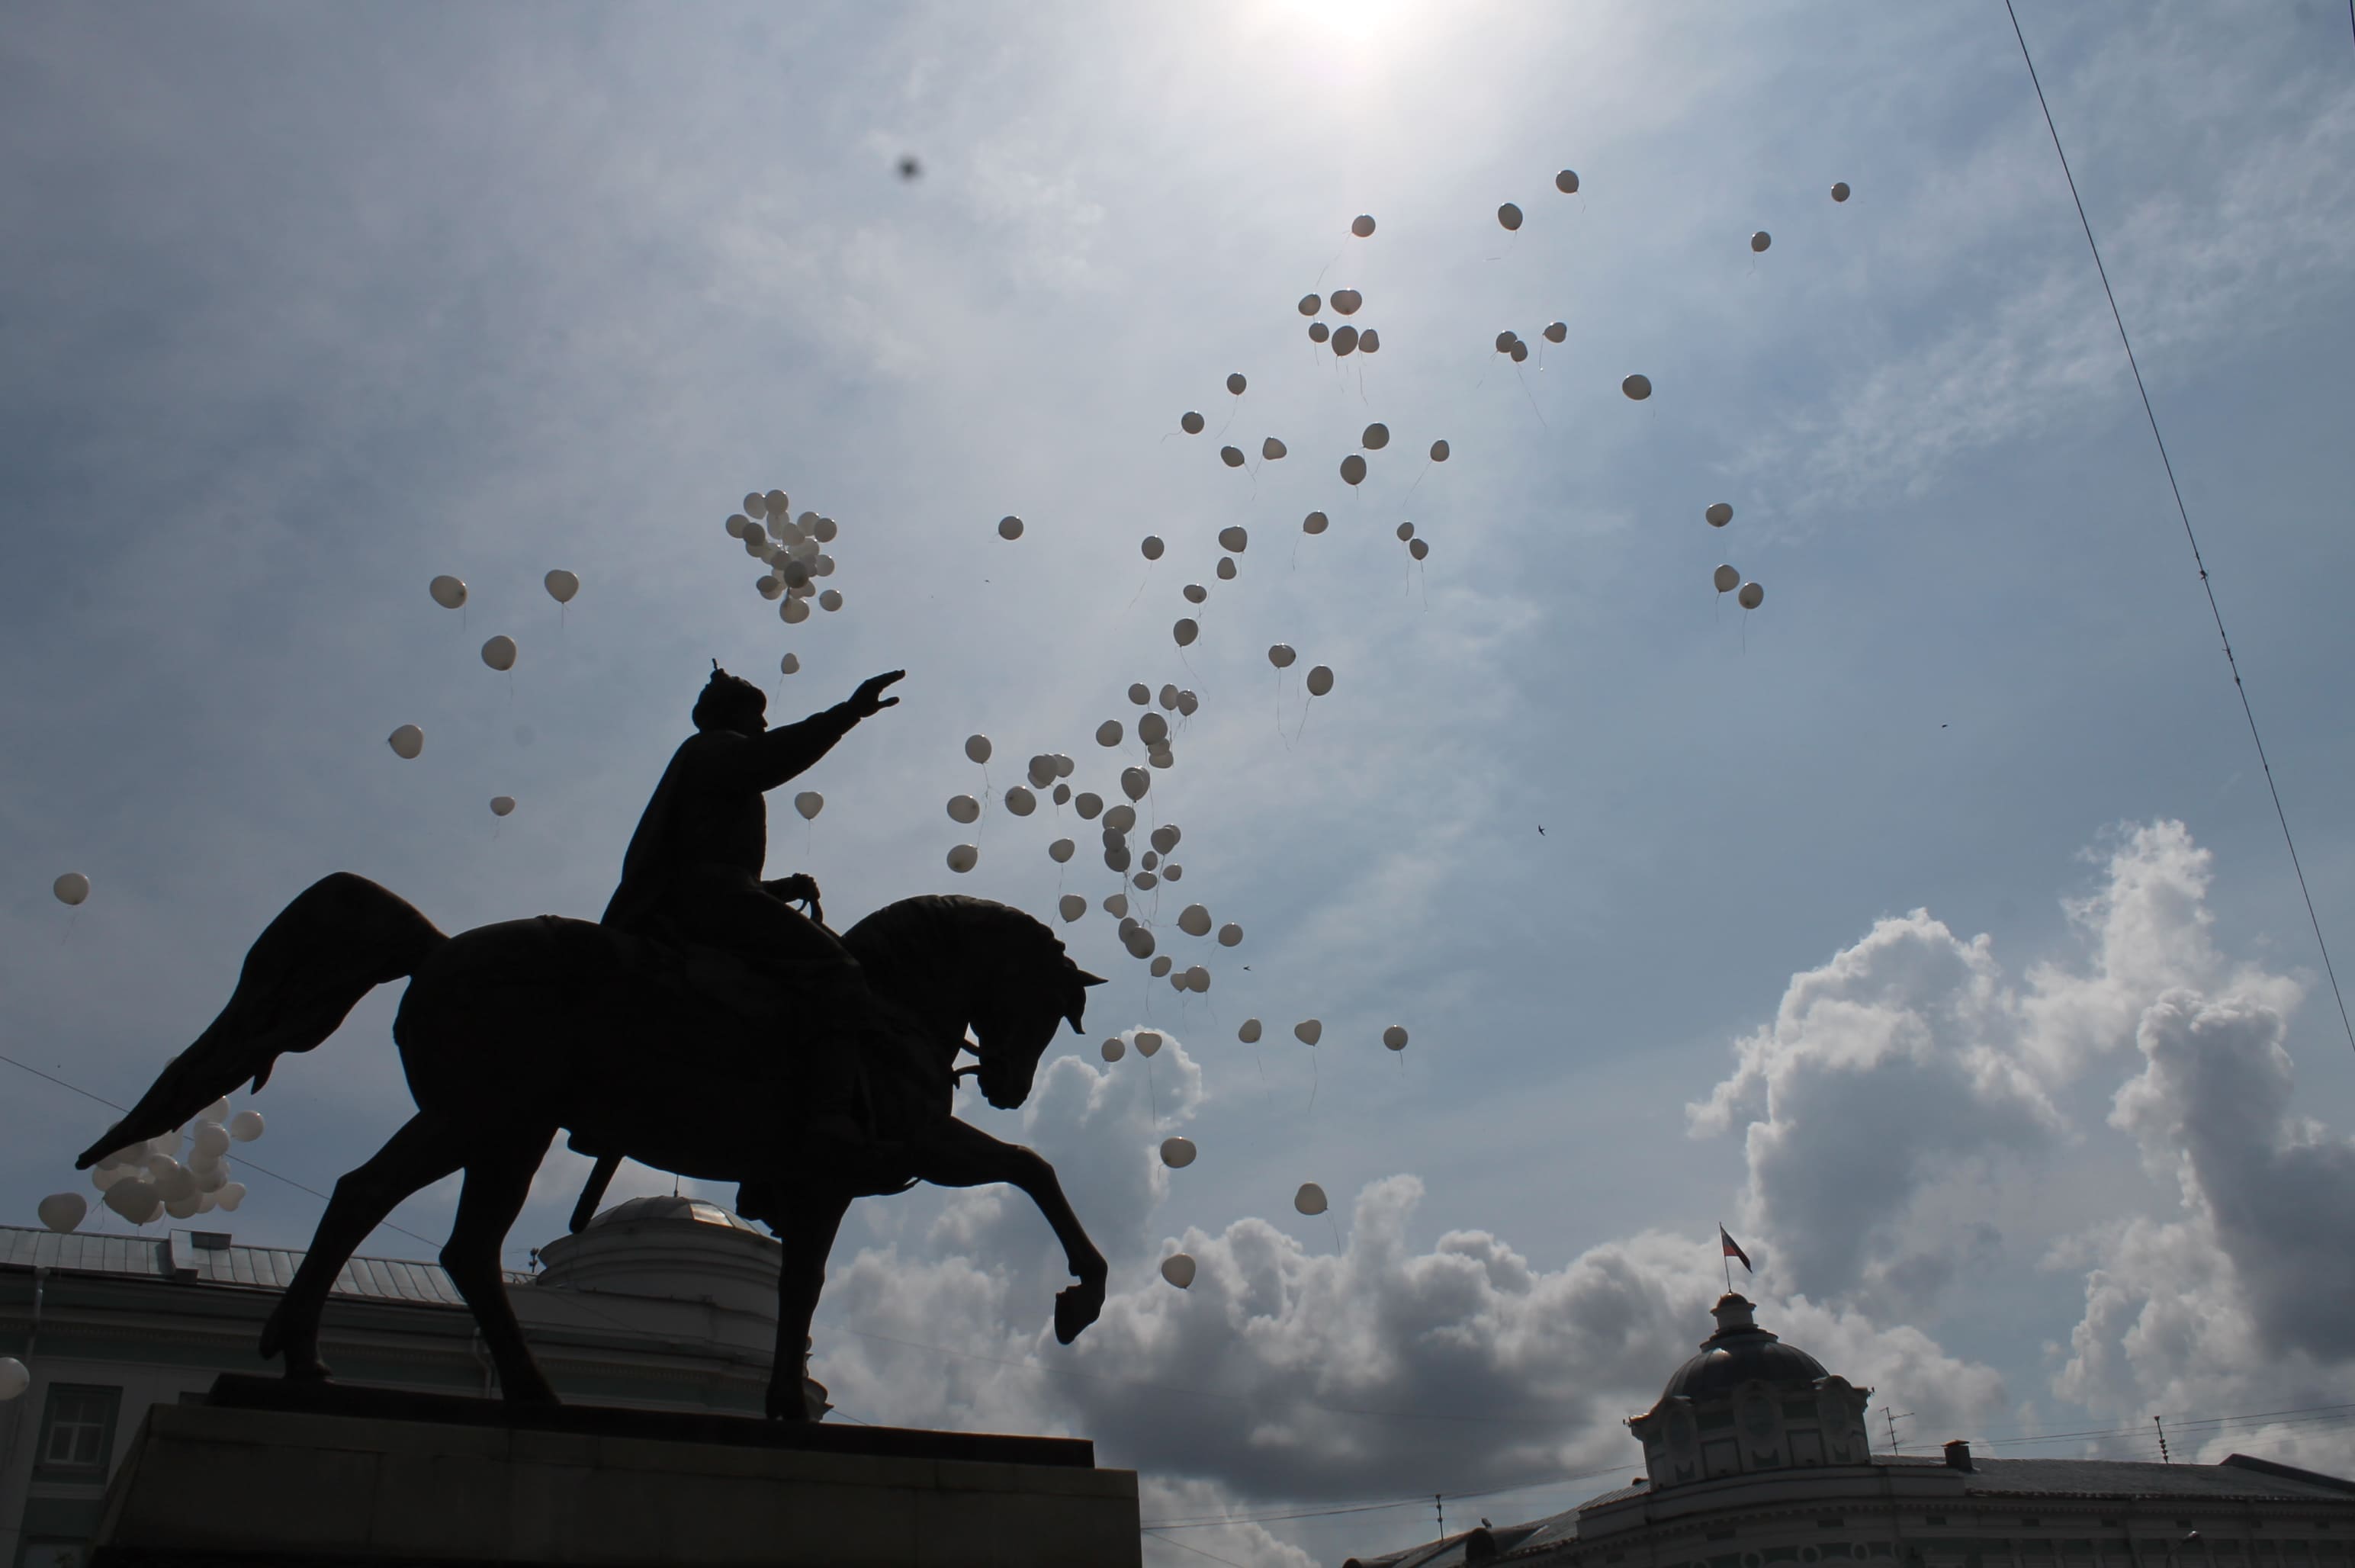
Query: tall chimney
x=1958, y=1455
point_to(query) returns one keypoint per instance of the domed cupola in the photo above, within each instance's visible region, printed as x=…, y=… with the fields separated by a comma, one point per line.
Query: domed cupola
x=1749, y=1403
x=673, y=1249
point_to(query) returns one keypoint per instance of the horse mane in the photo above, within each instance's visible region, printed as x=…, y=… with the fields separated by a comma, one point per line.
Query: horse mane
x=903, y=945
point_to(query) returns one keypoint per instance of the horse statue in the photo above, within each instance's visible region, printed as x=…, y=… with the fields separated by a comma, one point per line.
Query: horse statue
x=510, y=1032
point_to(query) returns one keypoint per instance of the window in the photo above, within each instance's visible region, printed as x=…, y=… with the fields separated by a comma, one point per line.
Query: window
x=78, y=1430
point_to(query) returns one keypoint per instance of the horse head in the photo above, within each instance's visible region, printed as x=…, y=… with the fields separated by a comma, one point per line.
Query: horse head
x=985, y=966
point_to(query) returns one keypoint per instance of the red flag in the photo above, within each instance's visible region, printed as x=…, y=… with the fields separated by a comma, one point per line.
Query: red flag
x=1733, y=1249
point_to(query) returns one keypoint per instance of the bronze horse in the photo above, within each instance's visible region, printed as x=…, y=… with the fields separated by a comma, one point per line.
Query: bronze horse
x=513, y=1032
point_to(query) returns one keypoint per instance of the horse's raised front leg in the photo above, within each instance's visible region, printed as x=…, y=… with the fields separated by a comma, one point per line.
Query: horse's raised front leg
x=964, y=1156
x=812, y=1216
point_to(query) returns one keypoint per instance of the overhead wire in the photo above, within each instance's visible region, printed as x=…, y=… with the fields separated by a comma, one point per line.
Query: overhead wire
x=2184, y=512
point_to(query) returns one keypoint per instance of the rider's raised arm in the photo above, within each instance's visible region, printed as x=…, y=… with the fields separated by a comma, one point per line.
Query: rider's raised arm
x=776, y=755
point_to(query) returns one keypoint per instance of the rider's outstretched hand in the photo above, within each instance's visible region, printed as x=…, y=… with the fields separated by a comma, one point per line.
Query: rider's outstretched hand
x=869, y=700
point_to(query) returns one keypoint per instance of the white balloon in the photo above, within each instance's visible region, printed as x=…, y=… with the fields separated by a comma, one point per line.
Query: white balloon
x=1020, y=801
x=1226, y=569
x=210, y=1140
x=1566, y=182
x=562, y=585
x=245, y=1127
x=1521, y=351
x=1233, y=456
x=1062, y=851
x=1439, y=449
x=823, y=530
x=73, y=887
x=1405, y=532
x=61, y=1212
x=1191, y=422
x=1113, y=1049
x=1147, y=1041
x=1347, y=301
x=1235, y=383
x=1505, y=341
x=1375, y=437
x=794, y=611
x=1345, y=340
x=1196, y=593
x=1308, y=1031
x=1509, y=216
x=1353, y=470
x=1363, y=226
x=407, y=743
x=216, y=1112
x=776, y=504
x=1198, y=980
x=184, y=1207
x=1271, y=449
x=830, y=600
x=1310, y=1199
x=1719, y=514
x=1418, y=548
x=963, y=858
x=1178, y=1269
x=1109, y=732
x=822, y=565
x=1152, y=729
x=500, y=653
x=1166, y=837
x=1839, y=191
x=790, y=665
x=1248, y=1034
x=1320, y=680
x=1314, y=523
x=1751, y=597
x=1152, y=547
x=1638, y=388
x=1556, y=331
x=1760, y=240
x=1116, y=905
x=230, y=1196
x=1087, y=803
x=1041, y=771
x=1185, y=631
x=1318, y=332
x=447, y=592
x=1233, y=540
x=1140, y=693
x=1187, y=703
x=14, y=1379
x=1229, y=934
x=1194, y=921
x=1070, y=906
x=135, y=1199
x=501, y=804
x=977, y=748
x=1168, y=696
x=1134, y=783
x=1395, y=1037
x=1062, y=795
x=964, y=808
x=1178, y=1153
x=1726, y=578
x=1009, y=527
x=809, y=803
x=1369, y=341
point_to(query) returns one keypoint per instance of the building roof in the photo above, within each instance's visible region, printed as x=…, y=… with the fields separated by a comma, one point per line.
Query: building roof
x=210, y=1256
x=699, y=1211
x=2239, y=1478
x=1739, y=1352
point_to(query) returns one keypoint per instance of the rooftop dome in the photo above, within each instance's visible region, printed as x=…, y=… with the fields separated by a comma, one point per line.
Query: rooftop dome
x=694, y=1210
x=1740, y=1352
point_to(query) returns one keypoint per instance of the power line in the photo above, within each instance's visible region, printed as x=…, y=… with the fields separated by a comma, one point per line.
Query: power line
x=2181, y=511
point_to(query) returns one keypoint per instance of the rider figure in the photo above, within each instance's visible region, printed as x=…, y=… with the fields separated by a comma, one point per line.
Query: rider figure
x=693, y=872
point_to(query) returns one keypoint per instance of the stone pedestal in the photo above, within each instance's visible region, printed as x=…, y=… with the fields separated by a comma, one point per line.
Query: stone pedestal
x=267, y=1473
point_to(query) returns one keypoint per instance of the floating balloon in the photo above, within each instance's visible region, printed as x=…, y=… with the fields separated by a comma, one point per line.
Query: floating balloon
x=1116, y=905
x=408, y=743
x=822, y=529
x=1281, y=655
x=1320, y=680
x=1314, y=523
x=1176, y=1153
x=1374, y=437
x=1229, y=934
x=1020, y=801
x=1109, y=732
x=1347, y=301
x=1505, y=341
x=210, y=1140
x=1751, y=597
x=963, y=858
x=1310, y=1199
x=1062, y=851
x=1121, y=817
x=562, y=585
x=1719, y=514
x=1369, y=341
x=1152, y=729
x=1113, y=1049
x=73, y=887
x=1147, y=1041
x=977, y=748
x=1556, y=331
x=1318, y=332
x=1226, y=569
x=1308, y=1031
x=794, y=611
x=1198, y=980
x=1760, y=240
x=964, y=808
x=1521, y=351
x=1418, y=548
x=1185, y=631
x=1638, y=388
x=1009, y=527
x=1509, y=216
x=1363, y=226
x=1839, y=191
x=135, y=1199
x=501, y=804
x=1726, y=578
x=1353, y=470
x=1070, y=906
x=790, y=665
x=774, y=503
x=61, y=1212
x=1439, y=449
x=1178, y=1269
x=1271, y=449
x=1140, y=693
x=1233, y=456
x=500, y=653
x=245, y=1127
x=1345, y=339
x=1194, y=921
x=1134, y=783
x=1248, y=1034
x=1168, y=696
x=1191, y=422
x=1566, y=182
x=1235, y=383
x=809, y=803
x=450, y=593
x=830, y=600
x=1310, y=304
x=1087, y=803
x=1152, y=547
x=1395, y=1037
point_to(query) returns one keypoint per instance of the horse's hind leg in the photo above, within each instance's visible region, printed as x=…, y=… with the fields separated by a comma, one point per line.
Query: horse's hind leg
x=421, y=1154
x=498, y=1180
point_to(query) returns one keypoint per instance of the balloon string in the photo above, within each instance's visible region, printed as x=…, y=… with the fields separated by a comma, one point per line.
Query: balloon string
x=1316, y=1081
x=1304, y=709
x=1337, y=1231
x=1524, y=380
x=1140, y=587
x=1417, y=478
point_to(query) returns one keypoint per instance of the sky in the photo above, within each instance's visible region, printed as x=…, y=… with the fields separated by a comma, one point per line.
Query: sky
x=1930, y=926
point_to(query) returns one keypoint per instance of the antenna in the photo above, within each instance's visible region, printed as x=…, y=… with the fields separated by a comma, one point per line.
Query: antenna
x=2163, y=1457
x=1440, y=1505
x=1893, y=1417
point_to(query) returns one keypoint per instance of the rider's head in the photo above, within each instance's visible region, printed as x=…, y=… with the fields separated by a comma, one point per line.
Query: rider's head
x=730, y=703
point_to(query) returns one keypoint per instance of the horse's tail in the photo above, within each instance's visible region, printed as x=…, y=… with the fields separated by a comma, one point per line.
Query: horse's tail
x=342, y=937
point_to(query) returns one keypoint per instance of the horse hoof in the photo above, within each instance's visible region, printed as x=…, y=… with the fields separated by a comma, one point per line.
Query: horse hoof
x=1076, y=1306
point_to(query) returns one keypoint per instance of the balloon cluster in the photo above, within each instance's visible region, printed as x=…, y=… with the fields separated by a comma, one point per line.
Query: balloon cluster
x=793, y=550
x=182, y=1173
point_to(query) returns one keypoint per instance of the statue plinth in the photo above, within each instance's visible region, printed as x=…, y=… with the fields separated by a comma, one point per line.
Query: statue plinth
x=269, y=1472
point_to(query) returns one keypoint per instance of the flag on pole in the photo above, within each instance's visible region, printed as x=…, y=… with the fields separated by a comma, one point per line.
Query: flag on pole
x=1733, y=1249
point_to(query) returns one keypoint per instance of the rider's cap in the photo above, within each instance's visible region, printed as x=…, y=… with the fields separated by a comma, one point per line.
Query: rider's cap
x=727, y=699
